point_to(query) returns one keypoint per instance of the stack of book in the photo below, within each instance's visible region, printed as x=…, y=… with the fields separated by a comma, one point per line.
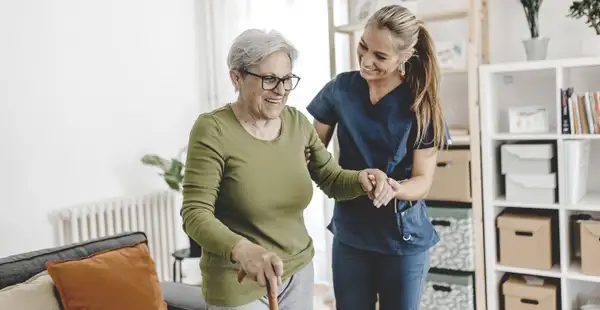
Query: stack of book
x=580, y=112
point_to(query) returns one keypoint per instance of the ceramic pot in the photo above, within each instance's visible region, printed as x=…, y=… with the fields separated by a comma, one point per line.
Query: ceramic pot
x=536, y=48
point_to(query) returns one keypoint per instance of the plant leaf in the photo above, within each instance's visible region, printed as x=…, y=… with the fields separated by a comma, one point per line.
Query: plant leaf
x=156, y=161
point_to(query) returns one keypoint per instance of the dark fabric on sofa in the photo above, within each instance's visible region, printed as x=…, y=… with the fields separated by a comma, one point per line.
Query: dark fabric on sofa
x=18, y=268
x=182, y=296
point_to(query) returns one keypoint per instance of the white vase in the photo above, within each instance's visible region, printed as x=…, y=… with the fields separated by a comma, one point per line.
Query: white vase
x=536, y=48
x=590, y=46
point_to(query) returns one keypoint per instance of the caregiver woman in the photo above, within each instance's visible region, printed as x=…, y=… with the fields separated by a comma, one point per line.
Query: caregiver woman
x=389, y=117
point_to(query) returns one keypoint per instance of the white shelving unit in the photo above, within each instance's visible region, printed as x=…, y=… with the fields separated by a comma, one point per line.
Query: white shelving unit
x=536, y=83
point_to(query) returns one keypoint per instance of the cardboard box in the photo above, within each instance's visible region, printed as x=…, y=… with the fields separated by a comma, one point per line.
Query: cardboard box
x=590, y=247
x=519, y=295
x=525, y=240
x=452, y=179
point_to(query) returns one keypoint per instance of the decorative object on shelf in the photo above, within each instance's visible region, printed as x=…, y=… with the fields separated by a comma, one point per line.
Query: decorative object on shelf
x=590, y=10
x=361, y=10
x=451, y=55
x=536, y=47
x=528, y=119
x=172, y=173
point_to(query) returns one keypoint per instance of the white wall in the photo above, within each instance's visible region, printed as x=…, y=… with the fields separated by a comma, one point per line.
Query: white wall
x=87, y=88
x=508, y=27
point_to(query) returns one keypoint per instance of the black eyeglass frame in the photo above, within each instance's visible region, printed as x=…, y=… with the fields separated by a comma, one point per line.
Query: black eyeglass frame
x=279, y=80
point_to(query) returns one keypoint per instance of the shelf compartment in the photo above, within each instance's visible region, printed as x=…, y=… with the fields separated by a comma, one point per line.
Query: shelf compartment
x=589, y=202
x=585, y=84
x=506, y=90
x=579, y=162
x=575, y=273
x=579, y=292
x=523, y=136
x=502, y=202
x=554, y=272
x=527, y=239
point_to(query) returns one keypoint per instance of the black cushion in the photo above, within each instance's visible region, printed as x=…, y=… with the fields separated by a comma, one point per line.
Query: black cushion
x=182, y=296
x=18, y=268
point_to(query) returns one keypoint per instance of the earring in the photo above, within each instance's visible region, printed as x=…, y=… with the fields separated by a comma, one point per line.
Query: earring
x=402, y=69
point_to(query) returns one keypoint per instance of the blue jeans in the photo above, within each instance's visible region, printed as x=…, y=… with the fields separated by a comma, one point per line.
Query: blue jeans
x=360, y=276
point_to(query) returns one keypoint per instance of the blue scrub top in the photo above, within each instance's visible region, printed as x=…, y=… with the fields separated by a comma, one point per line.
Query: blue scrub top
x=378, y=136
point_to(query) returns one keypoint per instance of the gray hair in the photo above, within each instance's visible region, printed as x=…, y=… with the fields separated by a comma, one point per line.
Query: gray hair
x=253, y=45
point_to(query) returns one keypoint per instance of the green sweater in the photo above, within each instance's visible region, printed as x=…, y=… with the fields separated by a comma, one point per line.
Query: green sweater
x=236, y=186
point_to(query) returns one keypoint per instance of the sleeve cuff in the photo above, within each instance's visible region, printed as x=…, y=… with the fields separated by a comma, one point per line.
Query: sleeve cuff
x=229, y=242
x=318, y=115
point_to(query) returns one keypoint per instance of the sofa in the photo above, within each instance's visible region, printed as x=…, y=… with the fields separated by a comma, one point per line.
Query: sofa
x=21, y=267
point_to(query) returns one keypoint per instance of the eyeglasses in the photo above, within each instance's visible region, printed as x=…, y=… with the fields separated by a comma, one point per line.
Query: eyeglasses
x=270, y=82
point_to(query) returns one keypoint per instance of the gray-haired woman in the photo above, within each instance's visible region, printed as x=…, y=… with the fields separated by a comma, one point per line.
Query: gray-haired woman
x=247, y=184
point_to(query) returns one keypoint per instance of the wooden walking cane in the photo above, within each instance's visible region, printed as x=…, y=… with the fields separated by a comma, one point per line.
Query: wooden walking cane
x=271, y=295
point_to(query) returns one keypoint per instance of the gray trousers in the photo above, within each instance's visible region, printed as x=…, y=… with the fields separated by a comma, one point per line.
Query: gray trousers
x=294, y=294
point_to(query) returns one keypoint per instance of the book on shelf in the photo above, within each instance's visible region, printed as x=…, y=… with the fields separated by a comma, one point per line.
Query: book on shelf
x=580, y=112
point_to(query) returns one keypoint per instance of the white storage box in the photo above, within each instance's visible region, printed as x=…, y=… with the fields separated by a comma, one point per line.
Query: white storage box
x=526, y=158
x=531, y=188
x=448, y=292
x=455, y=251
x=577, y=157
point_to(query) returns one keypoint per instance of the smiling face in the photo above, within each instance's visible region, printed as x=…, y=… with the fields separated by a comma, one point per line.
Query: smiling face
x=378, y=53
x=261, y=103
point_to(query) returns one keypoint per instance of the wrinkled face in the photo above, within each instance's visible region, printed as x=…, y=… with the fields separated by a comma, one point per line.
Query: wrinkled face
x=378, y=54
x=260, y=86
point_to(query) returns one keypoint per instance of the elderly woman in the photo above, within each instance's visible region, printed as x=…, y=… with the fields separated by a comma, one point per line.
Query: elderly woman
x=247, y=184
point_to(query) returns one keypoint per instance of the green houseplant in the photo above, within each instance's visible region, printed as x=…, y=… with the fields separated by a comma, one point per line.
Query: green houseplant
x=590, y=11
x=171, y=170
x=536, y=47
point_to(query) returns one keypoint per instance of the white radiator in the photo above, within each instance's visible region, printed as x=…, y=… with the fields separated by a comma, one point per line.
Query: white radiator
x=156, y=214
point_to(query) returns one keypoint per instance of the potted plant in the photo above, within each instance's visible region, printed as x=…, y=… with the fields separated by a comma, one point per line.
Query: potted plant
x=171, y=170
x=590, y=10
x=536, y=47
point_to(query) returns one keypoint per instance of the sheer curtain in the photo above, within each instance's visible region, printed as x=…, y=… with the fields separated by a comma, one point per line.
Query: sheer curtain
x=304, y=23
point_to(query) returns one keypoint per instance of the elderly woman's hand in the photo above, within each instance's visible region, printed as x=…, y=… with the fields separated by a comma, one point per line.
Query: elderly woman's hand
x=258, y=264
x=375, y=182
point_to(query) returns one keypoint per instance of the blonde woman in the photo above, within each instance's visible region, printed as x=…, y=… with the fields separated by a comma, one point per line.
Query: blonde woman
x=389, y=117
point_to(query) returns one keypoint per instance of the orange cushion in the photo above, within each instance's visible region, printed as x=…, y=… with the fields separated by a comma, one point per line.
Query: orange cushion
x=123, y=278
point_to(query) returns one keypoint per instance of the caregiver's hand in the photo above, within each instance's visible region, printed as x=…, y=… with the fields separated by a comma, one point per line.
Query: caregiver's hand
x=258, y=264
x=394, y=185
x=374, y=181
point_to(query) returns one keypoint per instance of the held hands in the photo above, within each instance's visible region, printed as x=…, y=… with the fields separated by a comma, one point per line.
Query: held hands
x=258, y=264
x=381, y=189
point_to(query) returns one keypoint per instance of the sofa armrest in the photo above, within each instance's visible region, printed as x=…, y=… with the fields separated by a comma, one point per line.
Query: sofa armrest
x=180, y=296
